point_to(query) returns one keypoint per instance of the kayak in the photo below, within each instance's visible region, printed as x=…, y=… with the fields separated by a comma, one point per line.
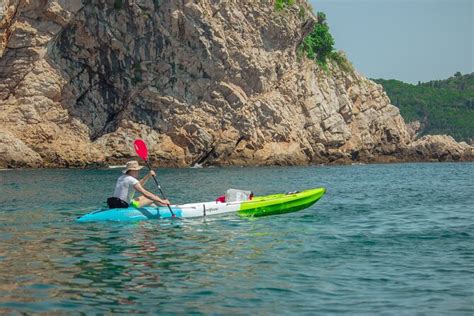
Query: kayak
x=256, y=207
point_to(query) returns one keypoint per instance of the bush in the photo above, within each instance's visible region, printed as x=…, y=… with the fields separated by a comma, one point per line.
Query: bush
x=281, y=4
x=318, y=45
x=341, y=60
x=302, y=12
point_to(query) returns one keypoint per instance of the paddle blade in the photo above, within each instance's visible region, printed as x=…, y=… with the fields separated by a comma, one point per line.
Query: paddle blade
x=140, y=149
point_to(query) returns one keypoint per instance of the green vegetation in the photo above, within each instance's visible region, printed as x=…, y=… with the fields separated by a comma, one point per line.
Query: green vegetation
x=319, y=46
x=341, y=60
x=302, y=12
x=442, y=106
x=281, y=4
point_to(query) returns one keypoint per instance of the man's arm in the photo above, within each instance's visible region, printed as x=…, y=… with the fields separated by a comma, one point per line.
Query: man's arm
x=147, y=177
x=150, y=195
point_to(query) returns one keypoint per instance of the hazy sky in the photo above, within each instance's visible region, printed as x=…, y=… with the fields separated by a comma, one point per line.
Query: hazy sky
x=409, y=40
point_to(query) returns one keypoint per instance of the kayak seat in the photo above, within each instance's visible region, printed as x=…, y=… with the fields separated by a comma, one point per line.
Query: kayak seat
x=221, y=199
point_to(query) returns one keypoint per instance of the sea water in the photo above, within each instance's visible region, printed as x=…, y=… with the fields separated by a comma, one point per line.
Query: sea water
x=392, y=239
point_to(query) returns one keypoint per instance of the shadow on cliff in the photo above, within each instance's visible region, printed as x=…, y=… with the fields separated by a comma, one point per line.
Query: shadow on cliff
x=105, y=67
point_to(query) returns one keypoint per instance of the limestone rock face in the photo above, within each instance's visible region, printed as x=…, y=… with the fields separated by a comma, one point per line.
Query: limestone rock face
x=414, y=128
x=15, y=153
x=211, y=81
x=440, y=148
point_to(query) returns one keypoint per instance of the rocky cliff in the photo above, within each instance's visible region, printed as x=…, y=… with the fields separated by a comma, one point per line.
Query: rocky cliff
x=208, y=81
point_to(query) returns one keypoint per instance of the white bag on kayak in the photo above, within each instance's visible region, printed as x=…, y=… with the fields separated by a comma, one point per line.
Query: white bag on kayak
x=234, y=195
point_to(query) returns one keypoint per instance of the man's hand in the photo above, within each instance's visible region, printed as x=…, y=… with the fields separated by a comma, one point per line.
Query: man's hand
x=165, y=202
x=152, y=173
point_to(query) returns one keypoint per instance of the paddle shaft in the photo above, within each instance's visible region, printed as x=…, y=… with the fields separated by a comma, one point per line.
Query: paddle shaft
x=159, y=188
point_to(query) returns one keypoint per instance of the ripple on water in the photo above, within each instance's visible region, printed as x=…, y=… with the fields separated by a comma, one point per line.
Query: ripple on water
x=383, y=240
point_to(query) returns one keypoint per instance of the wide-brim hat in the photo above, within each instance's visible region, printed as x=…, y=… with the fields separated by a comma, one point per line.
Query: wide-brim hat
x=132, y=165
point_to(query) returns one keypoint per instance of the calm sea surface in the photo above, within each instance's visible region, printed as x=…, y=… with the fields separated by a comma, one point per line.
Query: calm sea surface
x=392, y=239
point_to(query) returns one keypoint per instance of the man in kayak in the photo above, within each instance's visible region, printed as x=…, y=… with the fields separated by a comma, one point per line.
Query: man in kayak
x=126, y=186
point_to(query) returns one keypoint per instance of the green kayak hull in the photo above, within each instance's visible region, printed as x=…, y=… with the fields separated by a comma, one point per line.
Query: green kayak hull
x=280, y=203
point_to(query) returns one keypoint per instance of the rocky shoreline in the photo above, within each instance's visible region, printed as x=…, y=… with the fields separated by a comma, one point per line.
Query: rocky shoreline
x=199, y=82
x=422, y=153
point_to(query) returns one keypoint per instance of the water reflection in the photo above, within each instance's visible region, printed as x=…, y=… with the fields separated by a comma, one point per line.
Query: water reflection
x=410, y=251
x=121, y=265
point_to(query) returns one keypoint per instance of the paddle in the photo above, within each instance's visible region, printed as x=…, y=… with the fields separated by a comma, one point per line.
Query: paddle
x=142, y=151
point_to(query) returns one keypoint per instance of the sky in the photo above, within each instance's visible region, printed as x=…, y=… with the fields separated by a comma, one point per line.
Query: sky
x=408, y=40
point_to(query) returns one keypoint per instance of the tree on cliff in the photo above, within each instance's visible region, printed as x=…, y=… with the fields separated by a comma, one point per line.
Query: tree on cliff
x=319, y=44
